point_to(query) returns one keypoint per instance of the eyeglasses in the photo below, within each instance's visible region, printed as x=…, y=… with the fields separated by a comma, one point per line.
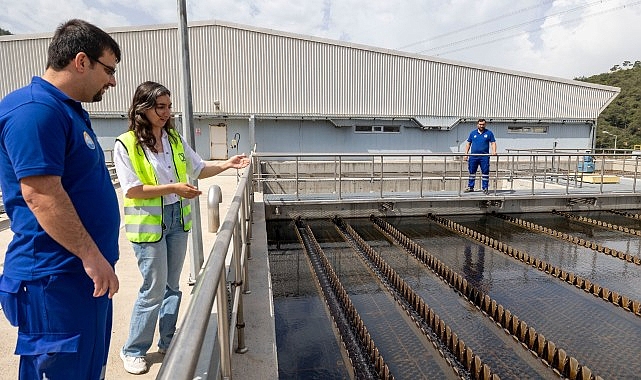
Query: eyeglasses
x=111, y=71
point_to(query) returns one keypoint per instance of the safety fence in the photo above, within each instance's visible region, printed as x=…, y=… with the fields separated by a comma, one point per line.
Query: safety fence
x=392, y=175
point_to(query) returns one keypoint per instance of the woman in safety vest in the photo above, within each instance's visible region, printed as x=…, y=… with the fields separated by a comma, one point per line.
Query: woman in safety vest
x=152, y=163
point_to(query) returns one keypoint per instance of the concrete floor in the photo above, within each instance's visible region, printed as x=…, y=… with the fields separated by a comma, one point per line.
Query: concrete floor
x=260, y=360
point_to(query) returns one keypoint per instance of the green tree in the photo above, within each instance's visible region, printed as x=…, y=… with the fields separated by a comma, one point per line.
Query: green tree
x=623, y=116
x=4, y=32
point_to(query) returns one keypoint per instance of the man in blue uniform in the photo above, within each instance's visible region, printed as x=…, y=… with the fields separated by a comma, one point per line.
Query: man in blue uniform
x=479, y=142
x=59, y=276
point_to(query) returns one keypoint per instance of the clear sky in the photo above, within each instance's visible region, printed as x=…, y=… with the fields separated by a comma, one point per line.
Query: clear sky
x=562, y=38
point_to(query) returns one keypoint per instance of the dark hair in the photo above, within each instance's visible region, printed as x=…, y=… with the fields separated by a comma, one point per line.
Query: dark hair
x=77, y=36
x=145, y=99
x=481, y=121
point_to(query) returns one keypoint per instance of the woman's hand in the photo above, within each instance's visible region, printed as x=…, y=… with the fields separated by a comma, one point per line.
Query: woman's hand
x=186, y=190
x=238, y=161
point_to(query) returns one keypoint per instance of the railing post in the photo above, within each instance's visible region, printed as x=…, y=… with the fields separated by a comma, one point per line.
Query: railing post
x=409, y=174
x=381, y=178
x=246, y=242
x=567, y=177
x=422, y=176
x=373, y=171
x=636, y=170
x=533, y=167
x=249, y=200
x=602, y=171
x=336, y=179
x=240, y=281
x=444, y=172
x=545, y=171
x=460, y=182
x=512, y=173
x=496, y=175
x=223, y=325
x=297, y=195
x=340, y=177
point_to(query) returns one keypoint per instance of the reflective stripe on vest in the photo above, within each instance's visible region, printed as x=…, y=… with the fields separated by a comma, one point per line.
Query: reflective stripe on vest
x=143, y=217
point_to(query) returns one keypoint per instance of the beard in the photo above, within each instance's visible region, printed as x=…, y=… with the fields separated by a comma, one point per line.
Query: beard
x=97, y=97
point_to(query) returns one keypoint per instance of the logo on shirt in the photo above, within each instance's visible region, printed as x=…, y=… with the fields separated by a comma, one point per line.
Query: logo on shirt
x=182, y=157
x=89, y=141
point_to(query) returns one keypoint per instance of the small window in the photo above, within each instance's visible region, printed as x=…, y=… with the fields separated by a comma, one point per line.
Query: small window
x=377, y=128
x=528, y=129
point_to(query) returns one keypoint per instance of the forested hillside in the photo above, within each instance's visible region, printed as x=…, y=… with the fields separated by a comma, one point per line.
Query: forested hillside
x=623, y=116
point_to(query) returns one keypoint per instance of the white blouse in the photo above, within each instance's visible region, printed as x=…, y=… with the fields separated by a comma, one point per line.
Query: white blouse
x=162, y=163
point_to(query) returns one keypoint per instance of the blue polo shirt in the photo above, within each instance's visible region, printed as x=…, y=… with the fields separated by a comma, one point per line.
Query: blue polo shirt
x=44, y=132
x=480, y=142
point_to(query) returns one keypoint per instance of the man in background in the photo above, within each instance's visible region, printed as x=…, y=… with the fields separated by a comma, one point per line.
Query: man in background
x=59, y=276
x=479, y=142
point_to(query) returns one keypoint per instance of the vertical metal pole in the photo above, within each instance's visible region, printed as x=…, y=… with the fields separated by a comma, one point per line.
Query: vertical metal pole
x=567, y=177
x=602, y=171
x=533, y=166
x=335, y=174
x=496, y=175
x=223, y=326
x=636, y=170
x=422, y=175
x=196, y=245
x=252, y=131
x=512, y=173
x=382, y=177
x=409, y=173
x=297, y=194
x=238, y=270
x=444, y=172
x=371, y=180
x=545, y=170
x=460, y=182
x=340, y=179
x=248, y=217
x=245, y=241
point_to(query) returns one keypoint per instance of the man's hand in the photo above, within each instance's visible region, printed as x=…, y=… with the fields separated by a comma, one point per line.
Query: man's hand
x=103, y=276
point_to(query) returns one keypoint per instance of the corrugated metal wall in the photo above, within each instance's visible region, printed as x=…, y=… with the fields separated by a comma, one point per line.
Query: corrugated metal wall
x=256, y=71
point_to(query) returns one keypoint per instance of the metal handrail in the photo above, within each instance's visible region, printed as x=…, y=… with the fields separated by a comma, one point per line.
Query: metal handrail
x=182, y=358
x=536, y=171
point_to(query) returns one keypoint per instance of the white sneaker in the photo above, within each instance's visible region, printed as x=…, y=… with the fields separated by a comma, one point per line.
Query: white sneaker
x=134, y=364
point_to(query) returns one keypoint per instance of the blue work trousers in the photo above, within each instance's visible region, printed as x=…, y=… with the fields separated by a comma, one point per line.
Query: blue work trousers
x=473, y=164
x=159, y=296
x=63, y=330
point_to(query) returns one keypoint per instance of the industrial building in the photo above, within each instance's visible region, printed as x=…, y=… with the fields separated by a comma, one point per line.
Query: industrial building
x=300, y=94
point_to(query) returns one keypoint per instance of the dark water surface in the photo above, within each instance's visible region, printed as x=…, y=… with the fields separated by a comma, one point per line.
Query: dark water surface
x=598, y=334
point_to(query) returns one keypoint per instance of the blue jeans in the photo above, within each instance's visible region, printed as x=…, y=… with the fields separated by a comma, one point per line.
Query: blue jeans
x=473, y=164
x=160, y=264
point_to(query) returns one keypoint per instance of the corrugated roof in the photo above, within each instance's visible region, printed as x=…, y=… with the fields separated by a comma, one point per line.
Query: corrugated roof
x=250, y=70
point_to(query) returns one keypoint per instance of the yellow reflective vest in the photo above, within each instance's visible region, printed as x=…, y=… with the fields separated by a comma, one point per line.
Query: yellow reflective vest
x=143, y=217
